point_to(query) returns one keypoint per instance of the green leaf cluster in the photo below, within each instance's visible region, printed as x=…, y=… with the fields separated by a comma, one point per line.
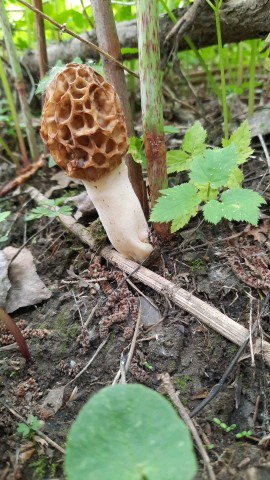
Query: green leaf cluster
x=29, y=429
x=49, y=208
x=214, y=181
x=4, y=215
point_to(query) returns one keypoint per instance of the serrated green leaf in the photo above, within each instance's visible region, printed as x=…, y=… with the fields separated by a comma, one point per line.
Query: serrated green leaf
x=4, y=215
x=214, y=167
x=212, y=211
x=65, y=210
x=237, y=204
x=194, y=140
x=236, y=178
x=34, y=422
x=23, y=429
x=241, y=138
x=180, y=222
x=177, y=161
x=175, y=202
x=49, y=209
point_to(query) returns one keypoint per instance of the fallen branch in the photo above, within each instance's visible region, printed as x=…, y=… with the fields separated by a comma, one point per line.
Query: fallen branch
x=167, y=384
x=251, y=15
x=23, y=177
x=207, y=314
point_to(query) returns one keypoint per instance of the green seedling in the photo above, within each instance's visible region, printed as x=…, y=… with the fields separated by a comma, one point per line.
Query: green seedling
x=214, y=184
x=49, y=208
x=4, y=215
x=244, y=434
x=224, y=426
x=30, y=428
x=148, y=366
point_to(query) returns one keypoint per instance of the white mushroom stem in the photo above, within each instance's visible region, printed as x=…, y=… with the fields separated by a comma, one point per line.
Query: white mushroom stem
x=120, y=213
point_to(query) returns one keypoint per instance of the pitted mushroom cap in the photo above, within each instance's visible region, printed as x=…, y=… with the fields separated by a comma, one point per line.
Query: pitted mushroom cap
x=83, y=123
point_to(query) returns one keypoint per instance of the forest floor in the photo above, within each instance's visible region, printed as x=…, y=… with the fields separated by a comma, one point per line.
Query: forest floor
x=202, y=260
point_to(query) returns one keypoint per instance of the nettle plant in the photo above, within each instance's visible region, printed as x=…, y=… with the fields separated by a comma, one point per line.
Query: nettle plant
x=215, y=180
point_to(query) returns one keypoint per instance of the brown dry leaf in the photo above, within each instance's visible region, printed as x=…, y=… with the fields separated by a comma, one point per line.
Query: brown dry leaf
x=24, y=456
x=62, y=180
x=150, y=315
x=26, y=286
x=261, y=233
x=41, y=441
x=54, y=399
x=200, y=394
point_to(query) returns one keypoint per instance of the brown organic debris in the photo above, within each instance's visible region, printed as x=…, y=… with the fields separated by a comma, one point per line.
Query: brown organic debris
x=121, y=304
x=22, y=177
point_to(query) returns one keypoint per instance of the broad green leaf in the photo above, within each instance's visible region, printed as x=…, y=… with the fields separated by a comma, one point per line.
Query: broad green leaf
x=129, y=432
x=4, y=215
x=236, y=178
x=175, y=202
x=212, y=211
x=23, y=429
x=4, y=238
x=78, y=19
x=236, y=204
x=194, y=140
x=214, y=167
x=34, y=422
x=241, y=138
x=171, y=129
x=177, y=161
x=180, y=222
x=136, y=150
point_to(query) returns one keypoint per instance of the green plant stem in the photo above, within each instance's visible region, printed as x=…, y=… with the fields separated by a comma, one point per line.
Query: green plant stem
x=19, y=80
x=240, y=64
x=9, y=152
x=222, y=76
x=151, y=101
x=211, y=80
x=252, y=80
x=14, y=115
x=216, y=9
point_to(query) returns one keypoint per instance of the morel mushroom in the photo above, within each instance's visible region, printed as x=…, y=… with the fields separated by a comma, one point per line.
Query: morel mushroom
x=84, y=128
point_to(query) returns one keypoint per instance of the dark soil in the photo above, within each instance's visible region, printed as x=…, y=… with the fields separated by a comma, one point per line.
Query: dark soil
x=195, y=356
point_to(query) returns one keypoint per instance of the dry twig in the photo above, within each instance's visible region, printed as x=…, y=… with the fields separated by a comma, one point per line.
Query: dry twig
x=166, y=380
x=207, y=314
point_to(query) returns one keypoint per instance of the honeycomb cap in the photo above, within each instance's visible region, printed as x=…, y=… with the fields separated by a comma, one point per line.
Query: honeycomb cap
x=83, y=123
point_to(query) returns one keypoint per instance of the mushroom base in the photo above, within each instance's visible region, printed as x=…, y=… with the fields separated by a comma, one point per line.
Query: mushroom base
x=120, y=213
